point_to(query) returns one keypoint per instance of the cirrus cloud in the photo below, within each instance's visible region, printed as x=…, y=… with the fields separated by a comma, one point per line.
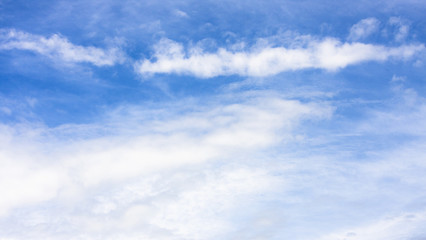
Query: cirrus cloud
x=363, y=29
x=59, y=48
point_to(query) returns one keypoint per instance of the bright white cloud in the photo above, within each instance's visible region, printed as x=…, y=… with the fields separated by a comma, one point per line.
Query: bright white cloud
x=363, y=29
x=58, y=48
x=213, y=134
x=219, y=133
x=192, y=174
x=160, y=179
x=330, y=54
x=25, y=178
x=201, y=207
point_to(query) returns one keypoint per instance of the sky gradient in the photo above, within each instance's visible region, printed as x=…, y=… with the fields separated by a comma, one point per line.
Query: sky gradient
x=193, y=120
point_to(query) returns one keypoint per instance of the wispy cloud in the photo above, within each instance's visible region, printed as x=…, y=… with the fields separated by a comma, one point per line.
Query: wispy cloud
x=405, y=115
x=180, y=170
x=176, y=173
x=363, y=29
x=58, y=48
x=329, y=54
x=180, y=13
x=194, y=138
x=405, y=226
x=402, y=28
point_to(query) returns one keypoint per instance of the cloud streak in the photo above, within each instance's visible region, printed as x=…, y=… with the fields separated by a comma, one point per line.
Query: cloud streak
x=58, y=48
x=329, y=54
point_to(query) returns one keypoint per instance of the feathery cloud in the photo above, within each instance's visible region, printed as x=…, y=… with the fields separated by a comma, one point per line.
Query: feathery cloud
x=402, y=28
x=363, y=29
x=58, y=48
x=197, y=137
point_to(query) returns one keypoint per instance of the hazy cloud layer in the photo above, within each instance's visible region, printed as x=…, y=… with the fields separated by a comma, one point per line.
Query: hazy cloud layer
x=196, y=138
x=190, y=175
x=405, y=226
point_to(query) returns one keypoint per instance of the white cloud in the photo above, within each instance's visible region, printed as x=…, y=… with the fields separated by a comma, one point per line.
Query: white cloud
x=330, y=54
x=363, y=29
x=398, y=79
x=186, y=204
x=214, y=171
x=211, y=134
x=194, y=138
x=180, y=13
x=25, y=177
x=158, y=177
x=205, y=207
x=58, y=48
x=402, y=28
x=23, y=183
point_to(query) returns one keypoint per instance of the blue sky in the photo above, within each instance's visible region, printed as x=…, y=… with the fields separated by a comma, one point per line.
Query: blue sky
x=212, y=120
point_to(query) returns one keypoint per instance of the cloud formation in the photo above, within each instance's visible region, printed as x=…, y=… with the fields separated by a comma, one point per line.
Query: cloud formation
x=173, y=173
x=305, y=155
x=329, y=54
x=58, y=48
x=363, y=29
x=402, y=28
x=194, y=138
x=189, y=174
